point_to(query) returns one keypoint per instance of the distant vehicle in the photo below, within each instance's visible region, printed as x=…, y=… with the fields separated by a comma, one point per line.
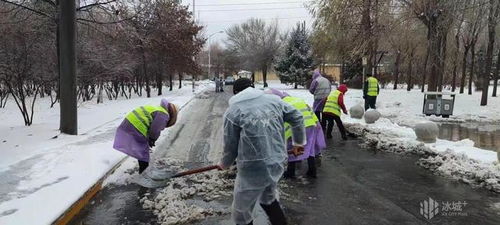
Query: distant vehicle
x=229, y=81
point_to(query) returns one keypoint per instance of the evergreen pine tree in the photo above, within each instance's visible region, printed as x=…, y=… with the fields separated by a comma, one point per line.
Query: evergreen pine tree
x=295, y=65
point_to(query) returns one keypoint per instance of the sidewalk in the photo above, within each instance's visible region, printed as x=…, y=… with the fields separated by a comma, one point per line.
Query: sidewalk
x=42, y=172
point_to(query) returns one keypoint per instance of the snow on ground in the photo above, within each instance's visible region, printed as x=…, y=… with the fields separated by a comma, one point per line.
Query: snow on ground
x=401, y=110
x=190, y=198
x=43, y=172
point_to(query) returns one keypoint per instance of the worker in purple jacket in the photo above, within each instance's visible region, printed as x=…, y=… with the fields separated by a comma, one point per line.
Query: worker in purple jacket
x=320, y=88
x=141, y=128
x=314, y=136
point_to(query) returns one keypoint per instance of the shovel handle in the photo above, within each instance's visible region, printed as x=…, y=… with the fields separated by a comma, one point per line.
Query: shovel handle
x=194, y=171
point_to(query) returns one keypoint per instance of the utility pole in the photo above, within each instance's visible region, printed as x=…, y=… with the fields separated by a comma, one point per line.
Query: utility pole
x=67, y=68
x=194, y=57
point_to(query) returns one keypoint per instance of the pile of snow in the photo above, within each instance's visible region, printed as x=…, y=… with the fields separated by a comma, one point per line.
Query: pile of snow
x=172, y=204
x=462, y=168
x=458, y=160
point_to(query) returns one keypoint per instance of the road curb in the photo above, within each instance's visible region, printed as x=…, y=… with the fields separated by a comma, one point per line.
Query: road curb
x=77, y=206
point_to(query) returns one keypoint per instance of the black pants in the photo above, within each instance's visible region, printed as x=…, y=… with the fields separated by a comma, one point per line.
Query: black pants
x=311, y=170
x=318, y=114
x=370, y=102
x=142, y=165
x=327, y=123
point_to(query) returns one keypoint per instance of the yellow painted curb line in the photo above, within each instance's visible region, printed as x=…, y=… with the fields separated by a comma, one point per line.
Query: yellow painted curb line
x=86, y=197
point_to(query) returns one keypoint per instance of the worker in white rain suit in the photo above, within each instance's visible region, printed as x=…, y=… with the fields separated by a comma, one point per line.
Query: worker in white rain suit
x=254, y=136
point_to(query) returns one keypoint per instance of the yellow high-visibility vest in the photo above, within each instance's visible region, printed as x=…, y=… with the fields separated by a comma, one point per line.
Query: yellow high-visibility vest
x=332, y=103
x=372, y=86
x=310, y=118
x=142, y=117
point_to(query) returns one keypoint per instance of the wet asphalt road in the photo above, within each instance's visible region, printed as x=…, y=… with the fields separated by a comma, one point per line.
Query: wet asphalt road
x=354, y=185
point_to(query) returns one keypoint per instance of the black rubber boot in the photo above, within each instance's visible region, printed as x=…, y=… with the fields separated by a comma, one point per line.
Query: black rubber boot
x=275, y=213
x=142, y=166
x=311, y=164
x=290, y=171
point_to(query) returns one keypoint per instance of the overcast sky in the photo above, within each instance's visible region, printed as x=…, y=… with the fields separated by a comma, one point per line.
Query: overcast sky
x=218, y=15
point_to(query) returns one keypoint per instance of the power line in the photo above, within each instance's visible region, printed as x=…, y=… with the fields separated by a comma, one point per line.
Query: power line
x=241, y=20
x=255, y=3
x=223, y=10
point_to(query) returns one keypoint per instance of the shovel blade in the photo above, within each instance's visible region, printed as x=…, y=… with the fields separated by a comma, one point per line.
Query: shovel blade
x=154, y=178
x=148, y=182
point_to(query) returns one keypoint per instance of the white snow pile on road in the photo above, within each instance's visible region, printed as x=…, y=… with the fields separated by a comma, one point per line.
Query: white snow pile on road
x=462, y=168
x=458, y=160
x=173, y=204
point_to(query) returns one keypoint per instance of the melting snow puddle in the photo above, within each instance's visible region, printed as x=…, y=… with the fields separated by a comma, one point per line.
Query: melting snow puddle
x=485, y=136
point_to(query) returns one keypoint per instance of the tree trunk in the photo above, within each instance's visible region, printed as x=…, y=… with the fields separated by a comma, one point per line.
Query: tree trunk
x=455, y=63
x=437, y=32
x=492, y=23
x=159, y=83
x=148, y=86
x=296, y=81
x=341, y=76
x=171, y=81
x=473, y=59
x=464, y=69
x=180, y=80
x=396, y=70
x=264, y=75
x=145, y=74
x=367, y=28
x=410, y=71
x=425, y=69
x=68, y=98
x=495, y=76
x=443, y=40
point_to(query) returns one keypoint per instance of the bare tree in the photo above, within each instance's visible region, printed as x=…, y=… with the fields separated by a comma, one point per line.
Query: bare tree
x=494, y=10
x=257, y=44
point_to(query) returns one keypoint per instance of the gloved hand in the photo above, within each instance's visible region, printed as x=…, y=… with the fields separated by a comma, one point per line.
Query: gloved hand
x=345, y=112
x=151, y=143
x=297, y=150
x=221, y=166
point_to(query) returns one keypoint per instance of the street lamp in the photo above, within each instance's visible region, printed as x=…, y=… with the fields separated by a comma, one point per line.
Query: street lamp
x=209, y=56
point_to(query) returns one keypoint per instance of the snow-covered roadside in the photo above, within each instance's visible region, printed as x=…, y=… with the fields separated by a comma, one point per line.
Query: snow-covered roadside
x=402, y=110
x=41, y=176
x=457, y=160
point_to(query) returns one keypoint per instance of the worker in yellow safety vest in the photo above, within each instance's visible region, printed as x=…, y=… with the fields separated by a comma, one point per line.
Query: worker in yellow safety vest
x=314, y=135
x=370, y=92
x=332, y=112
x=141, y=128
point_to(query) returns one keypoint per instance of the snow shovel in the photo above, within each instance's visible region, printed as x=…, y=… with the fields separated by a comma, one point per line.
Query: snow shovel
x=161, y=179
